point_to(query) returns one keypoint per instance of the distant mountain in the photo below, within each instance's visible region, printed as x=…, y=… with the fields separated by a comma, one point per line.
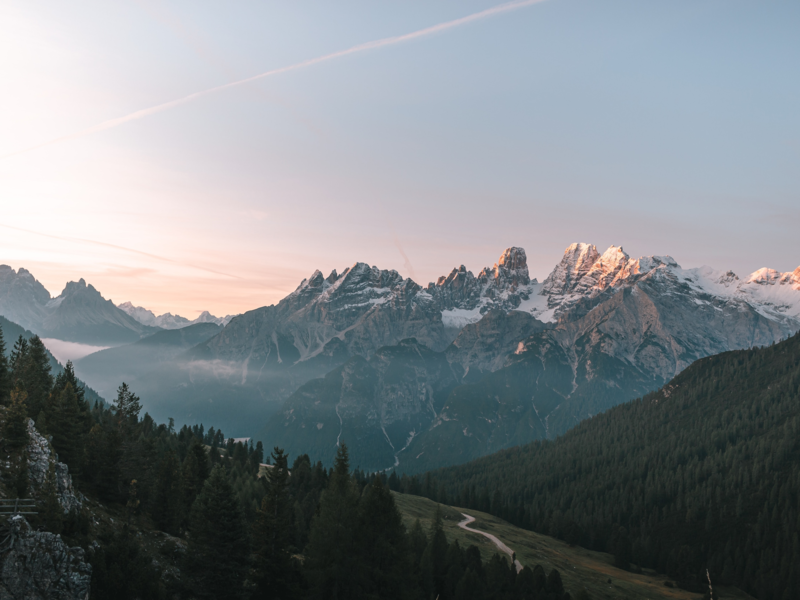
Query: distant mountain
x=22, y=297
x=532, y=360
x=168, y=320
x=12, y=331
x=525, y=359
x=79, y=314
x=144, y=364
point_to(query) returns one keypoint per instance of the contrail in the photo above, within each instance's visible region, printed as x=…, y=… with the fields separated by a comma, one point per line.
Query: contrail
x=389, y=41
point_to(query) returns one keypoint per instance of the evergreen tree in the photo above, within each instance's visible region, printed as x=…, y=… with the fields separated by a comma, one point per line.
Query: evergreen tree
x=196, y=469
x=382, y=543
x=277, y=575
x=168, y=506
x=432, y=564
x=31, y=372
x=19, y=357
x=5, y=372
x=218, y=548
x=127, y=407
x=333, y=570
x=15, y=440
x=65, y=423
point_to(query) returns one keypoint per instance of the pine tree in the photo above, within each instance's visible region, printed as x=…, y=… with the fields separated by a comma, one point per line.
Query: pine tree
x=65, y=423
x=277, y=575
x=382, y=543
x=218, y=549
x=332, y=566
x=196, y=469
x=127, y=407
x=31, y=372
x=168, y=507
x=15, y=439
x=433, y=566
x=19, y=356
x=5, y=372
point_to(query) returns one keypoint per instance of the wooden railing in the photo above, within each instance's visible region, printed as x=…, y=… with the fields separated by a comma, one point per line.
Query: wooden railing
x=17, y=506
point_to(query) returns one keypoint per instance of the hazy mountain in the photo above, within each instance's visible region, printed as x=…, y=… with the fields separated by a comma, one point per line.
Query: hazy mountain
x=525, y=359
x=22, y=298
x=168, y=320
x=617, y=329
x=144, y=364
x=79, y=314
x=12, y=331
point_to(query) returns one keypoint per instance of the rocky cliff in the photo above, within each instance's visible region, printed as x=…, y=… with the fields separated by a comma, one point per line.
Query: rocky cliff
x=35, y=564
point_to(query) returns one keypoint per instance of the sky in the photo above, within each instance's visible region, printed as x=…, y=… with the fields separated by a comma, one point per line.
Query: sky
x=664, y=127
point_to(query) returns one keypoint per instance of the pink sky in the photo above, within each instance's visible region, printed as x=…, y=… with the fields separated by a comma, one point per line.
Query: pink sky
x=658, y=127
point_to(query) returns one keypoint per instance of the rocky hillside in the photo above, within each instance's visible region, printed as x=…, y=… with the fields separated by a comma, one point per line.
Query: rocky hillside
x=38, y=564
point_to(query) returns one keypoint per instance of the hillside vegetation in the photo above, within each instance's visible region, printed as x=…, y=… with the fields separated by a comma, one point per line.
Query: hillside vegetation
x=581, y=569
x=704, y=473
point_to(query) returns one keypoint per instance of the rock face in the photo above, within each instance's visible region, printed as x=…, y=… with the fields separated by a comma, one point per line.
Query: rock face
x=44, y=470
x=524, y=359
x=78, y=314
x=22, y=297
x=377, y=406
x=38, y=565
x=532, y=360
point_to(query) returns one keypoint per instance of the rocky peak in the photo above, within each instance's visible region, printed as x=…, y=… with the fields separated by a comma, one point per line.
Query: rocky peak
x=577, y=261
x=513, y=267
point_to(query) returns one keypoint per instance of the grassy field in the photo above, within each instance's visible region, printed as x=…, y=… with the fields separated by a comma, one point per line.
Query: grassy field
x=578, y=567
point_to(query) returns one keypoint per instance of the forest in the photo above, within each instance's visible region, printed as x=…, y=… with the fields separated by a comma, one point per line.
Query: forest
x=241, y=528
x=704, y=473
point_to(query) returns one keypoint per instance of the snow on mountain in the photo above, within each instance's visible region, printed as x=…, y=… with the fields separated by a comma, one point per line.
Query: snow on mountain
x=583, y=273
x=168, y=320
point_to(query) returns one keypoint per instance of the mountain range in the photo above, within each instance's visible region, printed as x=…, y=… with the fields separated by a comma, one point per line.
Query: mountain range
x=418, y=377
x=80, y=313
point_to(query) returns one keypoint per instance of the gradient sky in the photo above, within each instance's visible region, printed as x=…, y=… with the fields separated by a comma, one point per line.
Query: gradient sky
x=666, y=127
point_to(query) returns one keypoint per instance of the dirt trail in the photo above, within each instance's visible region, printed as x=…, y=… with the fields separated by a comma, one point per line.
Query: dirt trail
x=500, y=545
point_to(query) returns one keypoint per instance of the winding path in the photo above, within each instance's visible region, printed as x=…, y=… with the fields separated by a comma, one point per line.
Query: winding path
x=500, y=545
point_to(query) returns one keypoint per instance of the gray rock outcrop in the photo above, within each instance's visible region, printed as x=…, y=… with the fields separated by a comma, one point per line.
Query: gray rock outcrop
x=38, y=565
x=44, y=469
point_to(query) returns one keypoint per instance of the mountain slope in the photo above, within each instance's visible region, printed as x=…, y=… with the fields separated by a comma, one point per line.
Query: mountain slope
x=143, y=364
x=711, y=462
x=79, y=314
x=12, y=331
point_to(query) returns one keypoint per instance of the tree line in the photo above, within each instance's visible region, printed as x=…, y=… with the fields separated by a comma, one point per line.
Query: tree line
x=704, y=473
x=251, y=529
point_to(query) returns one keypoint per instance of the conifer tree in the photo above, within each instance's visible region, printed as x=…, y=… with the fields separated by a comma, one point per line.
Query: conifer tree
x=31, y=372
x=127, y=407
x=19, y=356
x=5, y=372
x=276, y=574
x=65, y=423
x=333, y=570
x=218, y=548
x=433, y=571
x=196, y=469
x=167, y=497
x=15, y=439
x=382, y=543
